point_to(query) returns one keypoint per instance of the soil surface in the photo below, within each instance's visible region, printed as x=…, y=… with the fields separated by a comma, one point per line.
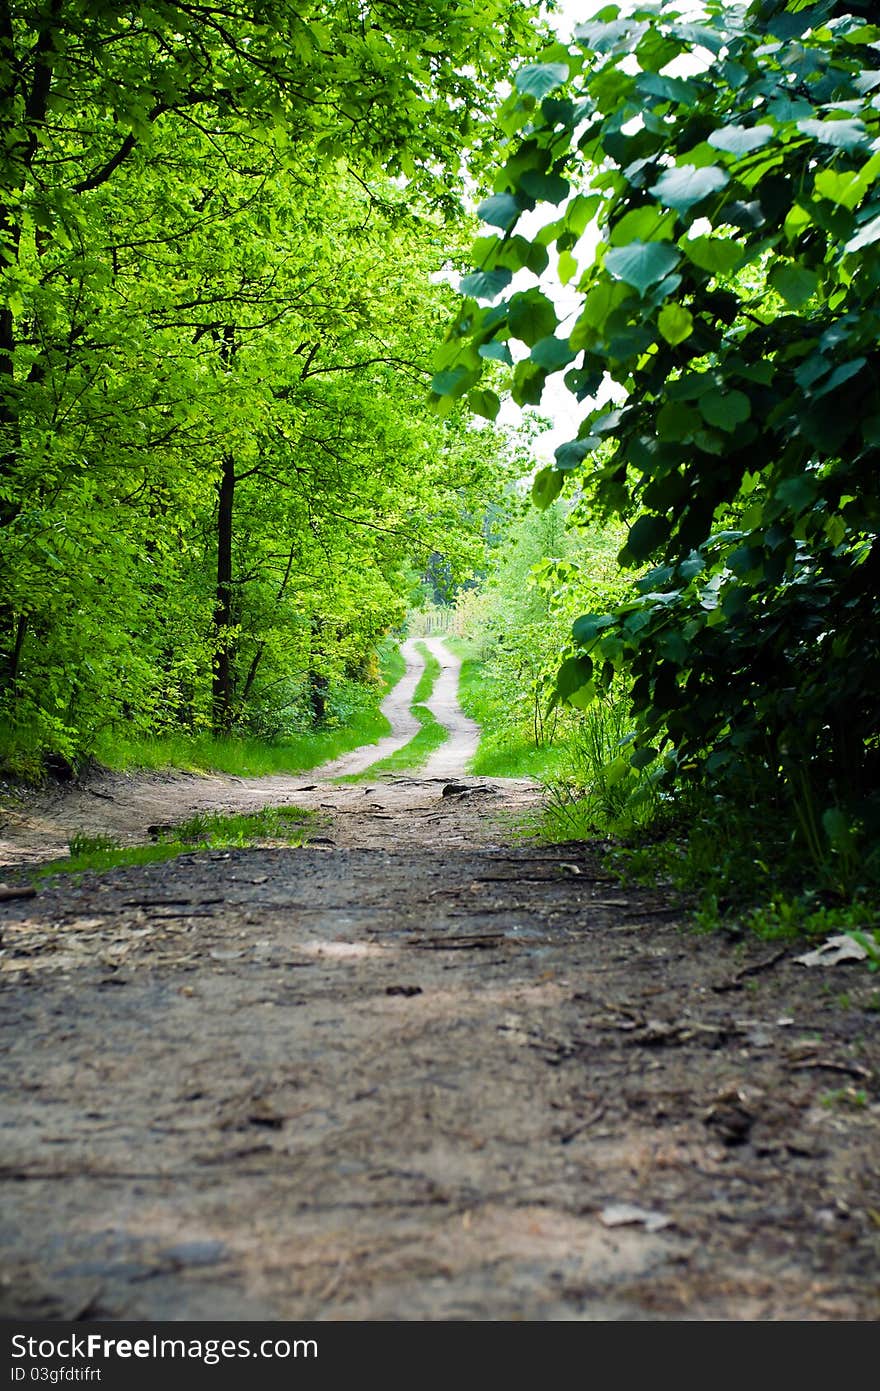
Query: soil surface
x=426, y=1067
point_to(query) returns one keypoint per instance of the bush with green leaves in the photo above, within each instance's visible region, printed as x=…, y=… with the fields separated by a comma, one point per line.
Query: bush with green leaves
x=732, y=166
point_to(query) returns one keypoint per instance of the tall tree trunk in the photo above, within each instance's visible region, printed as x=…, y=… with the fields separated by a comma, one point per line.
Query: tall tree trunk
x=223, y=605
x=317, y=682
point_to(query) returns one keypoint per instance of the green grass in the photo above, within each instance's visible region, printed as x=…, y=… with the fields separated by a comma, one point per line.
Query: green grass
x=204, y=831
x=431, y=735
x=506, y=750
x=236, y=754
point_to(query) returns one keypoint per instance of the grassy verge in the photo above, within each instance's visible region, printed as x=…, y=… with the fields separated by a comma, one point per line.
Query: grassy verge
x=506, y=749
x=430, y=736
x=245, y=757
x=287, y=824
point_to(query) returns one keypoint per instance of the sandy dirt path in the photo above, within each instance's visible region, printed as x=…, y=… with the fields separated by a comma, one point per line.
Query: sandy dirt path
x=422, y=1069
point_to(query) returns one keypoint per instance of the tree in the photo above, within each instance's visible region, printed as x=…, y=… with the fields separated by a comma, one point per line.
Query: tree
x=733, y=301
x=198, y=236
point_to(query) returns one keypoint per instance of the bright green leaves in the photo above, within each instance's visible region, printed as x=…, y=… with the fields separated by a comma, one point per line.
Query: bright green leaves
x=684, y=187
x=675, y=323
x=531, y=316
x=846, y=189
x=641, y=264
x=648, y=223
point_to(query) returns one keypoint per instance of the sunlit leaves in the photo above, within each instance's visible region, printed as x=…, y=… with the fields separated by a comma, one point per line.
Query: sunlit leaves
x=676, y=323
x=685, y=186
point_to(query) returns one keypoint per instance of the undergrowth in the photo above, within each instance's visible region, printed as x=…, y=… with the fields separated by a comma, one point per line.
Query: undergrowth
x=357, y=720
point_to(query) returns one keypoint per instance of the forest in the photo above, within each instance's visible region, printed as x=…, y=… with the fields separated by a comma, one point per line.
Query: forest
x=273, y=276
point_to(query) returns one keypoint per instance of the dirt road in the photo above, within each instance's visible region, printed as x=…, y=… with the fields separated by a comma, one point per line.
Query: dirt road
x=424, y=1069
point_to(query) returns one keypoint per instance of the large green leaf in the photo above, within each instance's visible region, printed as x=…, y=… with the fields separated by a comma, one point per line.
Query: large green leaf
x=843, y=134
x=553, y=353
x=574, y=673
x=794, y=283
x=539, y=79
x=641, y=264
x=501, y=210
x=685, y=186
x=531, y=316
x=676, y=323
x=485, y=284
x=546, y=487
x=712, y=254
x=741, y=140
x=645, y=535
x=726, y=409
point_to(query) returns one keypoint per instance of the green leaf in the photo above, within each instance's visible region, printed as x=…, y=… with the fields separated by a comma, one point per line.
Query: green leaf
x=842, y=134
x=574, y=673
x=585, y=628
x=798, y=493
x=641, y=264
x=545, y=188
x=454, y=381
x=501, y=210
x=677, y=422
x=683, y=187
x=569, y=455
x=867, y=234
x=546, y=487
x=712, y=254
x=645, y=535
x=539, y=79
x=794, y=283
x=740, y=140
x=840, y=375
x=675, y=323
x=847, y=189
x=531, y=316
x=567, y=267
x=485, y=284
x=552, y=353
x=648, y=223
x=726, y=409
x=642, y=757
x=485, y=403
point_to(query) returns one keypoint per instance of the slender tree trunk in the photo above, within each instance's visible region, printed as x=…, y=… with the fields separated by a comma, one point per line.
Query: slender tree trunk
x=317, y=682
x=223, y=605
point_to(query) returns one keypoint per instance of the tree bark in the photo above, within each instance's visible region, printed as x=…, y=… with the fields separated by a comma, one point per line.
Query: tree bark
x=223, y=605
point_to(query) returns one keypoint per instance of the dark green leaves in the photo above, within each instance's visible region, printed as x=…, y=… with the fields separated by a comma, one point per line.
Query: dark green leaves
x=531, y=316
x=485, y=284
x=501, y=210
x=546, y=487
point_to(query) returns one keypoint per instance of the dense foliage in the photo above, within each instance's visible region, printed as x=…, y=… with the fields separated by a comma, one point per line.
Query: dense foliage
x=221, y=233
x=731, y=313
